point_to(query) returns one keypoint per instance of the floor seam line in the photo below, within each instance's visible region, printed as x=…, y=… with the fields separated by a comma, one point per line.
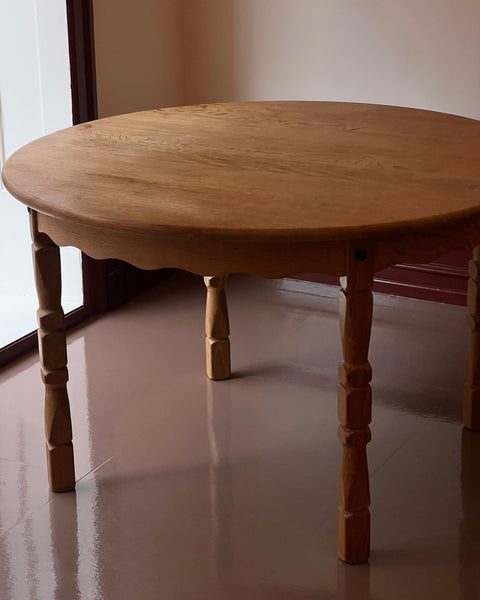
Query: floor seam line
x=95, y=469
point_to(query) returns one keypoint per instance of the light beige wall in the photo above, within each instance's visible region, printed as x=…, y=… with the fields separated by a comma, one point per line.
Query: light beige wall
x=138, y=54
x=209, y=70
x=416, y=53
x=153, y=53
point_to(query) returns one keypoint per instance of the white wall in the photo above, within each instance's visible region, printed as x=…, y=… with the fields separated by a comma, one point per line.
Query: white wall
x=138, y=54
x=422, y=53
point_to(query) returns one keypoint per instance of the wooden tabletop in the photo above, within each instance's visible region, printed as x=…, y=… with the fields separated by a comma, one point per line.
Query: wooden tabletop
x=278, y=172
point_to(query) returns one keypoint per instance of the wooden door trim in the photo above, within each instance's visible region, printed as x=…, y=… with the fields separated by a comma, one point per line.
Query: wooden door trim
x=81, y=43
x=82, y=60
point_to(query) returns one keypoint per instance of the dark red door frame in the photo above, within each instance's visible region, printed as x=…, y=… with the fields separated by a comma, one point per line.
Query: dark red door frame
x=82, y=60
x=81, y=44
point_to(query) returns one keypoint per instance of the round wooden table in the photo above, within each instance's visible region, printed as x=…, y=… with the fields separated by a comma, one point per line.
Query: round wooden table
x=268, y=188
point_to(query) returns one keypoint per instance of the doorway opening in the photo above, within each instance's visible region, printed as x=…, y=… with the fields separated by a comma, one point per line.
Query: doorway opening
x=35, y=99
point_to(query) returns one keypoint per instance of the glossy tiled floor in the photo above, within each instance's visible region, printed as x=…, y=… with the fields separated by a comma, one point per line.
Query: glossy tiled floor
x=193, y=490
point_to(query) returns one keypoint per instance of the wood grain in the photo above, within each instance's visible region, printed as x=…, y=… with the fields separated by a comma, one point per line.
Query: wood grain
x=355, y=404
x=53, y=360
x=217, y=329
x=272, y=171
x=269, y=188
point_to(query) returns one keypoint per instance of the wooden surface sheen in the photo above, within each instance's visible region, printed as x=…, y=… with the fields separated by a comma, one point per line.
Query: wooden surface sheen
x=217, y=329
x=270, y=188
x=52, y=347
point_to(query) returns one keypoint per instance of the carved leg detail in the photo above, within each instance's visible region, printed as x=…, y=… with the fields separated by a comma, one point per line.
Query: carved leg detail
x=471, y=398
x=354, y=405
x=53, y=359
x=217, y=344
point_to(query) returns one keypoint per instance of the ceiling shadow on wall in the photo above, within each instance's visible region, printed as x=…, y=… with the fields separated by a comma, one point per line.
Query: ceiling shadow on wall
x=208, y=53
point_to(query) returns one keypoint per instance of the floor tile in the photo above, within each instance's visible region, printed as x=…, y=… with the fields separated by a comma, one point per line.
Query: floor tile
x=192, y=489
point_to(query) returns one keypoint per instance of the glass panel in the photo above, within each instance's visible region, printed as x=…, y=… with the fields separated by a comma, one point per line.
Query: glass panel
x=35, y=100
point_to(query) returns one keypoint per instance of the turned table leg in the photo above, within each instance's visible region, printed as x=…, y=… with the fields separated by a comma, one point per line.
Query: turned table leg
x=354, y=405
x=217, y=344
x=471, y=398
x=53, y=360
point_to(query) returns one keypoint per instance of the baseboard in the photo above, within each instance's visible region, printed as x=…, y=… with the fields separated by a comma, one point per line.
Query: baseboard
x=125, y=281
x=442, y=281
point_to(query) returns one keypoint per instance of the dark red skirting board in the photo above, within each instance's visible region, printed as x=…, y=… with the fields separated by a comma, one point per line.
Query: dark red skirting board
x=444, y=280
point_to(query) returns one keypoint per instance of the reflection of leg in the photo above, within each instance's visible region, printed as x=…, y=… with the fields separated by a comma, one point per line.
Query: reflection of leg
x=68, y=555
x=221, y=481
x=53, y=359
x=353, y=582
x=217, y=344
x=469, y=531
x=354, y=405
x=471, y=399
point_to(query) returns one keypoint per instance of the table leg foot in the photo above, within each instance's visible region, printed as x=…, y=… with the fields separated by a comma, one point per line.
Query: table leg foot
x=53, y=360
x=353, y=526
x=61, y=474
x=471, y=398
x=217, y=343
x=354, y=405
